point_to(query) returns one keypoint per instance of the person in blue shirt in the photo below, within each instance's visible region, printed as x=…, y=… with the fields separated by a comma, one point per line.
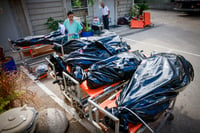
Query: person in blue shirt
x=73, y=27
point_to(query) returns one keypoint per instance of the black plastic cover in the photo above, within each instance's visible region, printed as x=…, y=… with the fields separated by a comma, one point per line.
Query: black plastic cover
x=155, y=83
x=55, y=36
x=71, y=46
x=94, y=52
x=114, y=69
x=59, y=64
x=76, y=44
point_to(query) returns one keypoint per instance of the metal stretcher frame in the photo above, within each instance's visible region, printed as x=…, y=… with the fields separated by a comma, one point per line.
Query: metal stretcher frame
x=61, y=46
x=25, y=60
x=91, y=103
x=77, y=93
x=94, y=107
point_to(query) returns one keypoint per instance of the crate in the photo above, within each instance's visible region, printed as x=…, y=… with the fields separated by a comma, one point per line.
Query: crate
x=136, y=24
x=147, y=18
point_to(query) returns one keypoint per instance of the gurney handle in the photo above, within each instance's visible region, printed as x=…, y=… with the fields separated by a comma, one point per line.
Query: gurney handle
x=138, y=118
x=114, y=118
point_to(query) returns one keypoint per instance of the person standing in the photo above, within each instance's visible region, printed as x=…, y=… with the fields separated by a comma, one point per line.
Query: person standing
x=73, y=27
x=106, y=14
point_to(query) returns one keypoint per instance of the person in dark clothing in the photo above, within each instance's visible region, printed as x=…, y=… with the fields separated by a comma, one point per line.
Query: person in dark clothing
x=106, y=14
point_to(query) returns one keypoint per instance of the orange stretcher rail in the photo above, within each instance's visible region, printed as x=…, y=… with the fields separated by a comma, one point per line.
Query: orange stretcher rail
x=109, y=103
x=92, y=92
x=95, y=92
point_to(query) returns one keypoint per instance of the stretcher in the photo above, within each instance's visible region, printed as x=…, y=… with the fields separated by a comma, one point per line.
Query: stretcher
x=38, y=46
x=91, y=103
x=95, y=109
x=78, y=93
x=81, y=96
x=31, y=56
x=137, y=106
x=94, y=104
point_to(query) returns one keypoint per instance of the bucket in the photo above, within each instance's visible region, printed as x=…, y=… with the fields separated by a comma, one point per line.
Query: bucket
x=18, y=120
x=8, y=64
x=86, y=33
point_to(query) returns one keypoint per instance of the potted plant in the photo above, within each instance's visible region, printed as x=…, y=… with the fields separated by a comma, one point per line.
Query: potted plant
x=142, y=7
x=52, y=24
x=76, y=3
x=134, y=11
x=87, y=30
x=137, y=18
x=145, y=16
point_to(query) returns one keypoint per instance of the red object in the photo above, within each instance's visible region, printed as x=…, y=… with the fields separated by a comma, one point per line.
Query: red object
x=30, y=50
x=43, y=76
x=94, y=92
x=147, y=18
x=136, y=24
x=110, y=103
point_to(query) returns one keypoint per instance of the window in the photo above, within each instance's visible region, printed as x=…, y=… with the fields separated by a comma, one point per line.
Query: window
x=79, y=7
x=79, y=4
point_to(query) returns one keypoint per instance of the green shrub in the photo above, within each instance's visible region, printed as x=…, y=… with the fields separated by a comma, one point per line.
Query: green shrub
x=142, y=7
x=134, y=12
x=13, y=90
x=52, y=24
x=76, y=3
x=137, y=9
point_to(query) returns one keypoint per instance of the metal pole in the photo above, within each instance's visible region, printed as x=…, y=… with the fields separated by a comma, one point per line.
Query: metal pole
x=151, y=130
x=114, y=118
x=90, y=111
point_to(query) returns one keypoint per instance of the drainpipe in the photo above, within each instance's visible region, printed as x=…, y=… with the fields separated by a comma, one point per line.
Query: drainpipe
x=65, y=8
x=25, y=10
x=115, y=10
x=133, y=3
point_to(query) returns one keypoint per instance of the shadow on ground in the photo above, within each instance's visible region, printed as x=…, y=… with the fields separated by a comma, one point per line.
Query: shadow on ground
x=190, y=15
x=182, y=123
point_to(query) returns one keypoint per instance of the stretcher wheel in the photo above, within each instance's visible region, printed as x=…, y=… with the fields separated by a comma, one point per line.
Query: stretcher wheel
x=81, y=115
x=170, y=117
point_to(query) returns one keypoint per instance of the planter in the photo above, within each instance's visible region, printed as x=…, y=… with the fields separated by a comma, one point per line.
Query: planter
x=86, y=33
x=136, y=24
x=147, y=18
x=8, y=64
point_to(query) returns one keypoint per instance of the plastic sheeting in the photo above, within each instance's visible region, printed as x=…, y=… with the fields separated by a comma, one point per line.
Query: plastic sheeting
x=55, y=36
x=91, y=52
x=155, y=83
x=94, y=52
x=111, y=70
x=59, y=64
x=114, y=69
x=71, y=46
